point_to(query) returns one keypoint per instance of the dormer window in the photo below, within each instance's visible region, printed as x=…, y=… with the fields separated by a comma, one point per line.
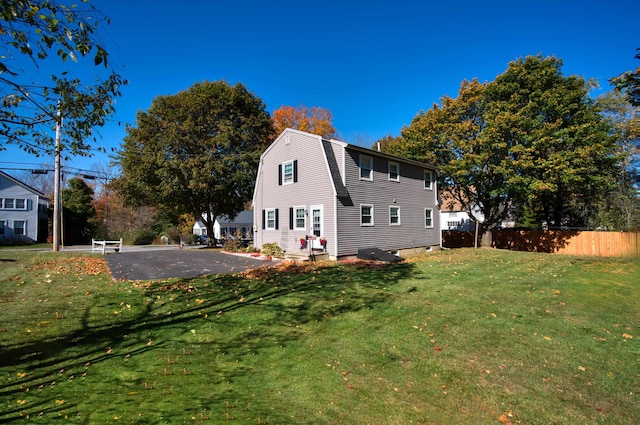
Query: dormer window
x=394, y=172
x=366, y=168
x=428, y=179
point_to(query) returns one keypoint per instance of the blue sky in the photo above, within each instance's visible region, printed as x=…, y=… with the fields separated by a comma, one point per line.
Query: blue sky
x=373, y=64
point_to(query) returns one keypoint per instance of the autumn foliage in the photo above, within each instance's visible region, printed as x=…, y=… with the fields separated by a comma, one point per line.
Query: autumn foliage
x=315, y=120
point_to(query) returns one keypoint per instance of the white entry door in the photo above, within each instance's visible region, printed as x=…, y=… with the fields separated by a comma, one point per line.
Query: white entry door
x=317, y=225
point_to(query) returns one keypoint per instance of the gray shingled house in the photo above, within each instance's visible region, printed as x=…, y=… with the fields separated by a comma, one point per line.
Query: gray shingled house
x=344, y=197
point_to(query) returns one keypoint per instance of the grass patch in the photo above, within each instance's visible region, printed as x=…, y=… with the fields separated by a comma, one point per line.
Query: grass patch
x=460, y=336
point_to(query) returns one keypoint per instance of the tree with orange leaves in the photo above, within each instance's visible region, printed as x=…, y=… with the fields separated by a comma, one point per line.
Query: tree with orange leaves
x=315, y=119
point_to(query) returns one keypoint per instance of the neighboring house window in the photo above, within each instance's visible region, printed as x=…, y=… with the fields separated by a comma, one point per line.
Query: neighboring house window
x=428, y=179
x=366, y=167
x=394, y=216
x=453, y=223
x=270, y=219
x=428, y=217
x=13, y=204
x=394, y=171
x=366, y=215
x=288, y=172
x=3, y=224
x=298, y=216
x=19, y=227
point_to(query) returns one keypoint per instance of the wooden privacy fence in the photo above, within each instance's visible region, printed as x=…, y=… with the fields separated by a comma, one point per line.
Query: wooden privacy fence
x=572, y=242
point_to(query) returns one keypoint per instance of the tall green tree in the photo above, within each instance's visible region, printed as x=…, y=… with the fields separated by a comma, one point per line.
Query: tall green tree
x=34, y=33
x=629, y=83
x=78, y=211
x=561, y=158
x=531, y=142
x=196, y=152
x=620, y=209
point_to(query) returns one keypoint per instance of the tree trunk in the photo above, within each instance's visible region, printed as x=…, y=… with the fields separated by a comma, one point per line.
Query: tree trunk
x=487, y=239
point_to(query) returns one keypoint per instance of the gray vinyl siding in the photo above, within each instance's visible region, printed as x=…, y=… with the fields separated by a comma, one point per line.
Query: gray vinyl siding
x=408, y=194
x=313, y=187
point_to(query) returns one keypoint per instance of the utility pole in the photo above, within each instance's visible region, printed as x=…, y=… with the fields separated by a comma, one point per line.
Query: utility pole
x=56, y=187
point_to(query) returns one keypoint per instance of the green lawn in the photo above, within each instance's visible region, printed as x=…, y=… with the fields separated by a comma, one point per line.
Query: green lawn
x=453, y=337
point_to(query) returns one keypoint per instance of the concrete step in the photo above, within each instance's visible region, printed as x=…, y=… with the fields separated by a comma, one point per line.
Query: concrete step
x=304, y=256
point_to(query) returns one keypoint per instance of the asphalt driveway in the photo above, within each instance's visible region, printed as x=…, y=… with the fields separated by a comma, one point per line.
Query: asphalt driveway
x=176, y=263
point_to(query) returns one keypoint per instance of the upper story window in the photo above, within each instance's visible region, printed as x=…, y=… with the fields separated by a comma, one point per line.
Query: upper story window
x=366, y=168
x=428, y=179
x=13, y=204
x=288, y=172
x=394, y=171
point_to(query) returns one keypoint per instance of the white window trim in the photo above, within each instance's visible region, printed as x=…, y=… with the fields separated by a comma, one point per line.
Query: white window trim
x=391, y=179
x=430, y=173
x=398, y=208
x=284, y=173
x=295, y=217
x=372, y=220
x=14, y=206
x=266, y=218
x=424, y=218
x=360, y=168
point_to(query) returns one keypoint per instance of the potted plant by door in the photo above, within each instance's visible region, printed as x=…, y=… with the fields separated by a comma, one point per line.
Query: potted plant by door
x=323, y=242
x=303, y=243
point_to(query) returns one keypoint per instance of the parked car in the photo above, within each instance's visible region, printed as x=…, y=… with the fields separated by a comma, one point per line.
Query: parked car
x=203, y=239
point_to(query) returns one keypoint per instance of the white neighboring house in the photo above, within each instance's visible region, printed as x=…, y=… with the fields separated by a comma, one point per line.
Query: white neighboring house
x=453, y=217
x=223, y=226
x=23, y=211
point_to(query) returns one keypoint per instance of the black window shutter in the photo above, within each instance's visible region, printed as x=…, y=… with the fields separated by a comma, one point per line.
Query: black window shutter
x=295, y=171
x=279, y=174
x=290, y=218
x=277, y=219
x=263, y=219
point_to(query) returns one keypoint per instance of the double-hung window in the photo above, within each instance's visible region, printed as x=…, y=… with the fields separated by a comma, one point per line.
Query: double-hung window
x=366, y=215
x=21, y=204
x=299, y=218
x=270, y=219
x=3, y=225
x=288, y=172
x=428, y=218
x=366, y=167
x=428, y=179
x=19, y=227
x=394, y=216
x=394, y=172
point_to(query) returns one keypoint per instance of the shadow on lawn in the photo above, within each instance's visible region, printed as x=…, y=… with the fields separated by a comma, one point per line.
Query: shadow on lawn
x=284, y=296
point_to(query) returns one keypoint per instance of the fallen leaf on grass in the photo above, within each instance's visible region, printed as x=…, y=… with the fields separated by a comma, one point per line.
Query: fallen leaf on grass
x=504, y=418
x=627, y=336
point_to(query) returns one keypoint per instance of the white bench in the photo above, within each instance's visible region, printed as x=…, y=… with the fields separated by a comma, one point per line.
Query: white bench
x=103, y=245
